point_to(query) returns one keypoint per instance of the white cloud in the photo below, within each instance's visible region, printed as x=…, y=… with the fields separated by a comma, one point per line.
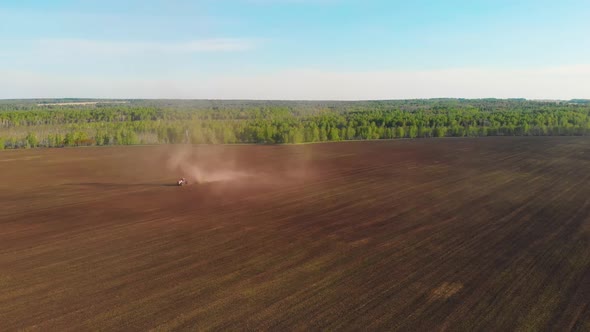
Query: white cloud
x=541, y=83
x=118, y=48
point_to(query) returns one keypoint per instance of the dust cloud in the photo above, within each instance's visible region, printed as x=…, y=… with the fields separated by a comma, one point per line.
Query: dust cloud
x=202, y=167
x=206, y=164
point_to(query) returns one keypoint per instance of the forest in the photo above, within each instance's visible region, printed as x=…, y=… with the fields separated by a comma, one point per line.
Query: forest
x=53, y=123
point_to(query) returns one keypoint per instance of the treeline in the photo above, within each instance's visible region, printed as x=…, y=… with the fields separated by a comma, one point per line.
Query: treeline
x=28, y=125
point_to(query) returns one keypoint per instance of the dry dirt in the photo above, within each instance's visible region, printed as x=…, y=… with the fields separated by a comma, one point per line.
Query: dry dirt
x=448, y=234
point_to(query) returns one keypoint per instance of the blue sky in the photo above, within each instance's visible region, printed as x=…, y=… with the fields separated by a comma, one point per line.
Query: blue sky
x=295, y=49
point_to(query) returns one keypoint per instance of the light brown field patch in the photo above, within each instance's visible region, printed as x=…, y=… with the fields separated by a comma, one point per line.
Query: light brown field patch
x=445, y=290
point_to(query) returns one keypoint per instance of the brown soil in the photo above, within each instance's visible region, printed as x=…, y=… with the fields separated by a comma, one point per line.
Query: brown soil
x=457, y=234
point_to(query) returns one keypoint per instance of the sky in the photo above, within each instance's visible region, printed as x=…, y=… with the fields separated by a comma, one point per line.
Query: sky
x=295, y=49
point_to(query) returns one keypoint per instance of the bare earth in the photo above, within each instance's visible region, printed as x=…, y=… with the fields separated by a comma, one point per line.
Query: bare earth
x=455, y=234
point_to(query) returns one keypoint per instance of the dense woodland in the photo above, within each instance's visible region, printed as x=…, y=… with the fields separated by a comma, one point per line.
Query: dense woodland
x=38, y=123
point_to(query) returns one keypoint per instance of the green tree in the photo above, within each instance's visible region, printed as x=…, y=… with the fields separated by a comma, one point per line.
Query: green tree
x=296, y=136
x=375, y=133
x=334, y=134
x=440, y=131
x=228, y=136
x=167, y=122
x=31, y=140
x=350, y=133
x=315, y=134
x=197, y=136
x=413, y=132
x=58, y=140
x=526, y=129
x=49, y=141
x=81, y=138
x=483, y=131
x=106, y=139
x=400, y=132
x=209, y=135
x=425, y=132
x=69, y=139
x=323, y=134
x=173, y=133
x=129, y=138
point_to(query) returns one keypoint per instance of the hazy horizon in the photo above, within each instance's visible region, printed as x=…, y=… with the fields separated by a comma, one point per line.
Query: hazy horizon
x=90, y=99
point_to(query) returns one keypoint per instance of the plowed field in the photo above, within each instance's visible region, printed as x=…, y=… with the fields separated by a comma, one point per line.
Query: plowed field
x=456, y=234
